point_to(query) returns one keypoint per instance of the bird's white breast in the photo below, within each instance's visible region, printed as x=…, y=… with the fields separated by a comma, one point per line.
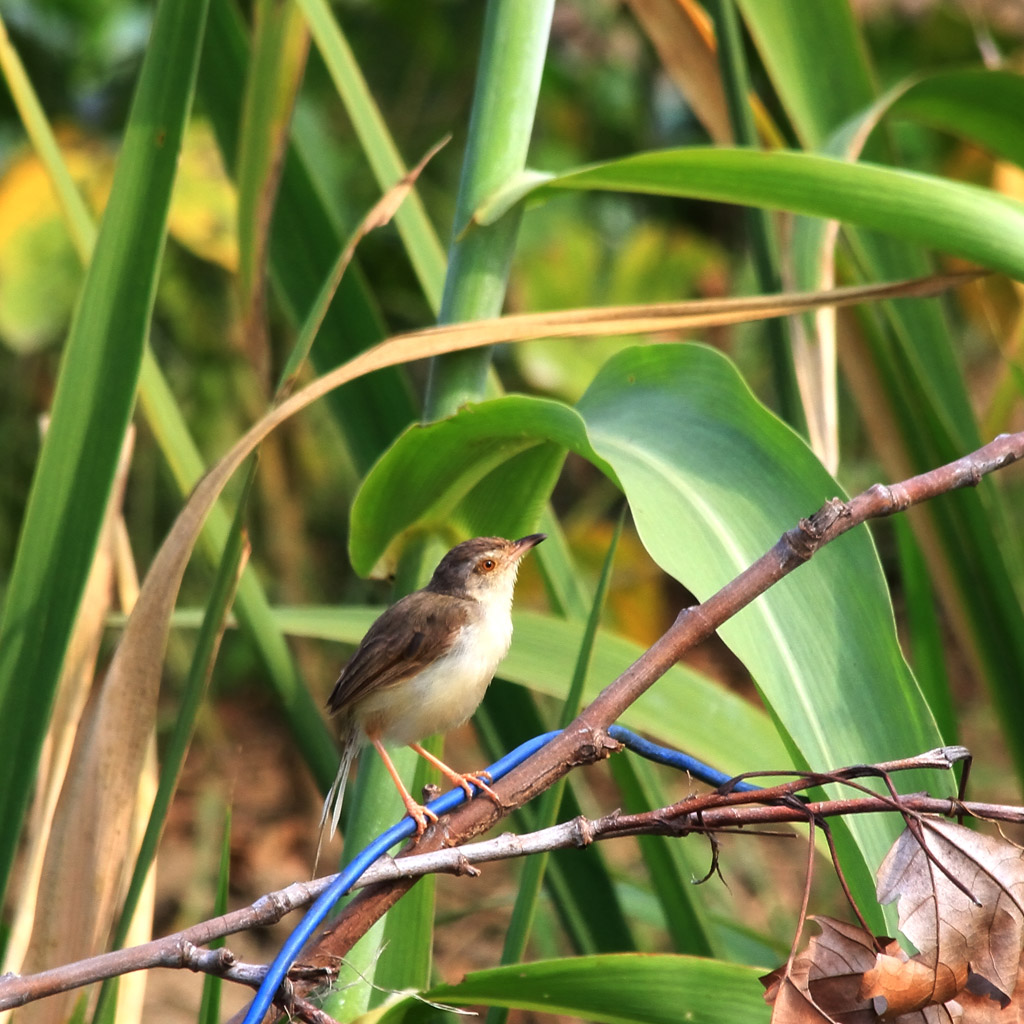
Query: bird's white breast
x=447, y=692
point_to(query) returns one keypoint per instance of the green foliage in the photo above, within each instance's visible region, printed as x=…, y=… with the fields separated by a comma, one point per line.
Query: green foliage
x=683, y=432
x=91, y=409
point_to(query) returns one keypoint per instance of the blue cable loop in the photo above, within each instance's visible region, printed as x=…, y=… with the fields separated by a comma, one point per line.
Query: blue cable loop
x=351, y=872
x=442, y=805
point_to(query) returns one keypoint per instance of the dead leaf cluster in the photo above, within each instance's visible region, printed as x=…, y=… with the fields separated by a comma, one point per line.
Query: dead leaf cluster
x=959, y=902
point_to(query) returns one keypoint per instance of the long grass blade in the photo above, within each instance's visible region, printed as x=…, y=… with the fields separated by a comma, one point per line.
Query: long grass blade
x=92, y=407
x=209, y=1008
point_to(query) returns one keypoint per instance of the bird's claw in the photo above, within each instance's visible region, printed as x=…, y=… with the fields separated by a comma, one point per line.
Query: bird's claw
x=480, y=780
x=419, y=814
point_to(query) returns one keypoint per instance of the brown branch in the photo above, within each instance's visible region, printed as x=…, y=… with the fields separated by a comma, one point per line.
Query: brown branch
x=706, y=814
x=584, y=740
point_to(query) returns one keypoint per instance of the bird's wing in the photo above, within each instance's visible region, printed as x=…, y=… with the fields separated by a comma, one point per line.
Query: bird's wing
x=402, y=642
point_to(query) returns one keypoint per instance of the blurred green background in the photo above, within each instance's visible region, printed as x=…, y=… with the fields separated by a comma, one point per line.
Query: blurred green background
x=913, y=388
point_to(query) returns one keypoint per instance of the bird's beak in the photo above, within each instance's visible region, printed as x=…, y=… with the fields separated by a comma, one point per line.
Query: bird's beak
x=521, y=546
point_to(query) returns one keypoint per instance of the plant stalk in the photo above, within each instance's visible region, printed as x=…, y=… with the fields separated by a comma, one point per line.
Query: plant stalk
x=508, y=82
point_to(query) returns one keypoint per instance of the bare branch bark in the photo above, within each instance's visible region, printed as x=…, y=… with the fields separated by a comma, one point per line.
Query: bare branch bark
x=583, y=742
x=708, y=813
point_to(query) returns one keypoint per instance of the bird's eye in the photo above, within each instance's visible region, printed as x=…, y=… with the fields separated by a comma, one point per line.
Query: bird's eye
x=486, y=564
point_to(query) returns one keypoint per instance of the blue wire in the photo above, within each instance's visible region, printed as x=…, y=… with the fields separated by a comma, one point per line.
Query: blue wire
x=352, y=871
x=442, y=805
x=676, y=759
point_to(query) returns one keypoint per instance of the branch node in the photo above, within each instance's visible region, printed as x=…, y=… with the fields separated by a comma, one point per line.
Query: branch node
x=188, y=955
x=463, y=867
x=583, y=834
x=223, y=958
x=807, y=536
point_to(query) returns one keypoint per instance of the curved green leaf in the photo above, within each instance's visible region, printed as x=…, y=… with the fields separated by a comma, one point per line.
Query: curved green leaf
x=975, y=103
x=960, y=219
x=432, y=471
x=619, y=988
x=713, y=479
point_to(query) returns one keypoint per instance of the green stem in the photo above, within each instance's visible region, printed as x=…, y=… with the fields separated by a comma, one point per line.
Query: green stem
x=764, y=247
x=508, y=82
x=532, y=877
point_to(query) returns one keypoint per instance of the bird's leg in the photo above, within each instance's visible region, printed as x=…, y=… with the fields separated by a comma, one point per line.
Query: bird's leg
x=416, y=811
x=463, y=779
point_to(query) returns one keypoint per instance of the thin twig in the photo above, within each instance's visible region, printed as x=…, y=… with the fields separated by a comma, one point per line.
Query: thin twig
x=582, y=740
x=706, y=814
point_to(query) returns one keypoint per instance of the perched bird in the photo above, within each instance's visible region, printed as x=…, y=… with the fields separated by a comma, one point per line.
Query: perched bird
x=425, y=664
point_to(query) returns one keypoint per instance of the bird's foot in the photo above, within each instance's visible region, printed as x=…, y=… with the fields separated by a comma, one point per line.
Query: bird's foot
x=464, y=780
x=419, y=814
x=478, y=779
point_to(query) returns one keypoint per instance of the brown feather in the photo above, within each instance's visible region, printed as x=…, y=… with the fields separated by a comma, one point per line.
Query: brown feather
x=413, y=633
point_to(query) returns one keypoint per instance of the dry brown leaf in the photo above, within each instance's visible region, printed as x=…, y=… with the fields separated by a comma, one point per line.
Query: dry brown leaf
x=898, y=985
x=814, y=357
x=681, y=33
x=984, y=1004
x=959, y=903
x=825, y=979
x=81, y=819
x=983, y=930
x=839, y=978
x=379, y=215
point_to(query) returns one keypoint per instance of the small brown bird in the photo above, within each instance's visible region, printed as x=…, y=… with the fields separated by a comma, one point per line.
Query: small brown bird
x=425, y=664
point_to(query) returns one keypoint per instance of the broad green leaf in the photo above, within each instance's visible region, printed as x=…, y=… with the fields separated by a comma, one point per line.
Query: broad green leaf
x=713, y=480
x=621, y=988
x=974, y=103
x=434, y=469
x=92, y=406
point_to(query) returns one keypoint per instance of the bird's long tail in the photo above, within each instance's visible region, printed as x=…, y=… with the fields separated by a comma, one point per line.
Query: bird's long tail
x=336, y=794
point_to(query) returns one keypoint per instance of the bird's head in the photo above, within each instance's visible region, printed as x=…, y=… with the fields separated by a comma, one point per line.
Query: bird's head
x=483, y=569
